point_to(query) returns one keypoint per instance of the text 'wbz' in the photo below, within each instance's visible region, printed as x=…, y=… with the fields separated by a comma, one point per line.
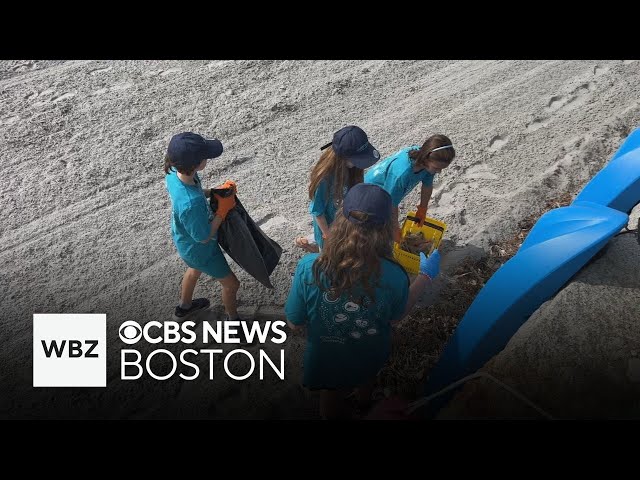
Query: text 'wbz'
x=162, y=364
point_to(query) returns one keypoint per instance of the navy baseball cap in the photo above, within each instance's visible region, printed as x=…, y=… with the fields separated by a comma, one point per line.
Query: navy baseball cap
x=188, y=149
x=370, y=199
x=352, y=143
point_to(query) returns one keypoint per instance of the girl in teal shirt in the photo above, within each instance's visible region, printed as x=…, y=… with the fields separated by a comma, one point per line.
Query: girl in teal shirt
x=399, y=173
x=349, y=295
x=339, y=168
x=194, y=227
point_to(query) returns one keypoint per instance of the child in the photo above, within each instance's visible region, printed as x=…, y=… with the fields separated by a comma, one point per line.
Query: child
x=349, y=295
x=194, y=226
x=401, y=172
x=340, y=167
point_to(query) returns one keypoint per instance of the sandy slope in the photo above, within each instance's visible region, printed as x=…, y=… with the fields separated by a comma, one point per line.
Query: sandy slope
x=85, y=217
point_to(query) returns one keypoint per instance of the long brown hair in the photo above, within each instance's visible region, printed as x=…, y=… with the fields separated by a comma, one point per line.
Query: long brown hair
x=421, y=157
x=331, y=166
x=168, y=165
x=351, y=258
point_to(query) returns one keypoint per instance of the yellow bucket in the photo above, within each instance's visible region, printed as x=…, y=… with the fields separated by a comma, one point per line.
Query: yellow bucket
x=431, y=230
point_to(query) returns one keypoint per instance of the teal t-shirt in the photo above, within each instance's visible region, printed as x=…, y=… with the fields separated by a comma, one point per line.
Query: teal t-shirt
x=191, y=218
x=395, y=174
x=322, y=204
x=347, y=343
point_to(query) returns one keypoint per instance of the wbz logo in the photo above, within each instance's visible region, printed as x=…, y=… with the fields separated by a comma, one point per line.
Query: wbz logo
x=69, y=350
x=75, y=348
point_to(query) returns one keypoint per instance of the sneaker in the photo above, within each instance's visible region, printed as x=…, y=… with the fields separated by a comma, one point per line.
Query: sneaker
x=196, y=304
x=241, y=336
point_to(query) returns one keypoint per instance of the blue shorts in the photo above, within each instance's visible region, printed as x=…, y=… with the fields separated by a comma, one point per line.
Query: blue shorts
x=207, y=258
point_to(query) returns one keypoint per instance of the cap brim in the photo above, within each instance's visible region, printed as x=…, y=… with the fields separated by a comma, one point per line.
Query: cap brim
x=213, y=148
x=365, y=159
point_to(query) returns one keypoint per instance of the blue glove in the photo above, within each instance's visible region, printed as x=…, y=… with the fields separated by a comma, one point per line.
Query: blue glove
x=430, y=266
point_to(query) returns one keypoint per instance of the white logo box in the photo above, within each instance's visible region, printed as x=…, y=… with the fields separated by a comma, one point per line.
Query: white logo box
x=78, y=361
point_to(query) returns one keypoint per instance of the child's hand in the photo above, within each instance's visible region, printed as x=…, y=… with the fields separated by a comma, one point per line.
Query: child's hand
x=397, y=235
x=225, y=205
x=430, y=266
x=230, y=184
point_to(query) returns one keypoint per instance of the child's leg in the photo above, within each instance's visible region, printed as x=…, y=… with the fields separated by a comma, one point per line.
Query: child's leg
x=189, y=281
x=188, y=305
x=230, y=285
x=332, y=405
x=363, y=394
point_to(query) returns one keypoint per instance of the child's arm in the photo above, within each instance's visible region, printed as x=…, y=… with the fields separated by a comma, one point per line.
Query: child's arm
x=429, y=270
x=396, y=189
x=324, y=227
x=415, y=291
x=318, y=207
x=225, y=205
x=217, y=221
x=397, y=234
x=294, y=328
x=425, y=196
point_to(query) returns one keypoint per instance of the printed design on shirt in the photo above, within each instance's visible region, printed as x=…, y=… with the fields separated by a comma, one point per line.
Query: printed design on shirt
x=361, y=322
x=381, y=310
x=332, y=321
x=340, y=317
x=328, y=299
x=345, y=320
x=351, y=307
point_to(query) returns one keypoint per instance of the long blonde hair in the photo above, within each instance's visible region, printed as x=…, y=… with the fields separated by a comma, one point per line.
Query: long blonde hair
x=351, y=258
x=331, y=166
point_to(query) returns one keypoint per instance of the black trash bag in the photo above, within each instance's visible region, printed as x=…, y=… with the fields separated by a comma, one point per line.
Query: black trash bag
x=245, y=242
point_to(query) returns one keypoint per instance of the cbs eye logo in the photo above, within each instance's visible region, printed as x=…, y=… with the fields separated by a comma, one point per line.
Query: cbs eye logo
x=130, y=332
